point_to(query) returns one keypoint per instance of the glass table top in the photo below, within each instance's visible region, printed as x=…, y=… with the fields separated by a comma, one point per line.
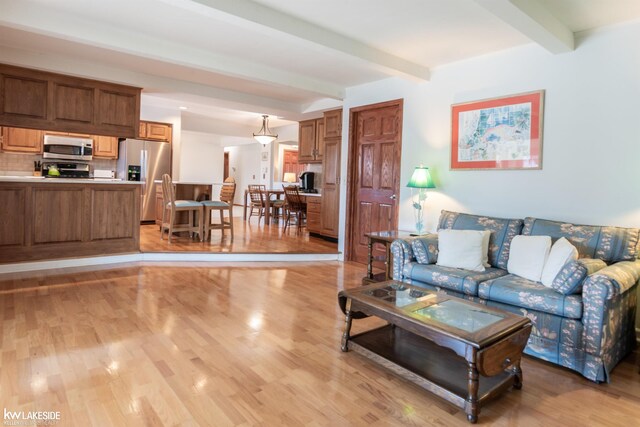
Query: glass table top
x=400, y=295
x=459, y=315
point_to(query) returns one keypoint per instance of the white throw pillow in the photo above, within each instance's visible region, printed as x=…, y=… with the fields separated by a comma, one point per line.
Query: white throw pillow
x=461, y=249
x=561, y=253
x=528, y=255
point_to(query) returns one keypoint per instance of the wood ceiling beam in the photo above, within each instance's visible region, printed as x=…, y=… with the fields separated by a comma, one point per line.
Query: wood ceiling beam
x=50, y=23
x=257, y=17
x=534, y=21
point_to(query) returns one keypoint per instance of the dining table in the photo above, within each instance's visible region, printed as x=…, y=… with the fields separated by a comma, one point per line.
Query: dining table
x=267, y=202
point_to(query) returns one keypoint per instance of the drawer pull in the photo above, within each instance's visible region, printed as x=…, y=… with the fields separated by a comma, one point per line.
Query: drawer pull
x=506, y=362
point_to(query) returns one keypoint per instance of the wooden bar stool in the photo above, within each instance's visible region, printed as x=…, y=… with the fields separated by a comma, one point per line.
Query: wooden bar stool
x=174, y=206
x=227, y=193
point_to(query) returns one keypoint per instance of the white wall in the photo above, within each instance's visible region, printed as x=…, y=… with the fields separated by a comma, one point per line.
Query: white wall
x=244, y=167
x=201, y=157
x=591, y=146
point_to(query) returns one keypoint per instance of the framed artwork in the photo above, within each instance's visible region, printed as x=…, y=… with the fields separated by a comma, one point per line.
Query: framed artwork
x=265, y=156
x=498, y=133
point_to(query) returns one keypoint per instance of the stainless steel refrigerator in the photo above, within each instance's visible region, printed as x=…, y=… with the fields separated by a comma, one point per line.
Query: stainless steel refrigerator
x=144, y=161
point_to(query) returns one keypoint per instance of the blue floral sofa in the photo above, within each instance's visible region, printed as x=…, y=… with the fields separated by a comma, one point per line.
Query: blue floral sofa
x=589, y=330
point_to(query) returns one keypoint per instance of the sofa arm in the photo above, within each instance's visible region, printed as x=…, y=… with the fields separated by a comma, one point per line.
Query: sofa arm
x=616, y=278
x=425, y=248
x=402, y=255
x=609, y=308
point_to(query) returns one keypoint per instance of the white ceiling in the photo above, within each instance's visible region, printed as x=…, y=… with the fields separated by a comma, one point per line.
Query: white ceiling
x=236, y=59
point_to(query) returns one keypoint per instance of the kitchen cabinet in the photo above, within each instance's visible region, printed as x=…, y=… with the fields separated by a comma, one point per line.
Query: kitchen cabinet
x=105, y=147
x=333, y=124
x=331, y=174
x=314, y=218
x=311, y=141
x=155, y=131
x=49, y=101
x=18, y=140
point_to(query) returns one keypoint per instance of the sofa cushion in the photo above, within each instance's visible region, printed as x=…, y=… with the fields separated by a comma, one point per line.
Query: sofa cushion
x=457, y=279
x=569, y=279
x=520, y=292
x=502, y=232
x=425, y=248
x=610, y=244
x=462, y=248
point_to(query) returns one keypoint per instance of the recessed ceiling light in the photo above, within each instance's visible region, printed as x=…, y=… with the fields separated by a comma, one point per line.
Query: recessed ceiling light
x=183, y=108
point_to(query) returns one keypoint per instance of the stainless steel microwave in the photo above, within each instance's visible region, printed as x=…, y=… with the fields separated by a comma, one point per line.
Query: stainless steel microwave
x=67, y=148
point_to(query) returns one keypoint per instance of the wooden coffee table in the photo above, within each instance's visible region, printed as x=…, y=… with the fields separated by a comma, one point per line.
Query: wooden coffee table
x=464, y=352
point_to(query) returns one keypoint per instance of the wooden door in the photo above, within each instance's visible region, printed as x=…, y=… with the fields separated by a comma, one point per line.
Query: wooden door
x=19, y=140
x=375, y=146
x=306, y=141
x=225, y=168
x=290, y=163
x=105, y=147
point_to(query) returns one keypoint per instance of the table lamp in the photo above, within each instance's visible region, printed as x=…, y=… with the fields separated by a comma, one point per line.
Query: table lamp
x=289, y=177
x=421, y=179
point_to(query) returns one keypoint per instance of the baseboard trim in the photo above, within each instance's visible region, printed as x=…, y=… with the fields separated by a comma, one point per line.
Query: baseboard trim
x=22, y=267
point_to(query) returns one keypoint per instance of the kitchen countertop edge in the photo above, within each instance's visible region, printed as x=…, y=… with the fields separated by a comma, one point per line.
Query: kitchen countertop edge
x=42, y=180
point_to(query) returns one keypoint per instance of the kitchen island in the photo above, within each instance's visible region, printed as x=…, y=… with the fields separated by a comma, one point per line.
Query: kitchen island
x=53, y=218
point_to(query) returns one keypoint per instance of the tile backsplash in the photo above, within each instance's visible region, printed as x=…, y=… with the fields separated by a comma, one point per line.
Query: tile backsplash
x=22, y=164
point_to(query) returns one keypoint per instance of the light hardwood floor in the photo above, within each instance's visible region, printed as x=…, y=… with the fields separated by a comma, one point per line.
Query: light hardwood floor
x=241, y=344
x=249, y=237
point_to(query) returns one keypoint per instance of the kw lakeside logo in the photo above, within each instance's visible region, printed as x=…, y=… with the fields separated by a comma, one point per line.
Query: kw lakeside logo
x=30, y=418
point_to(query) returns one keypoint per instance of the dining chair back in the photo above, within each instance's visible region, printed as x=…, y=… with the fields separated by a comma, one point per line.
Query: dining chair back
x=227, y=193
x=171, y=207
x=256, y=194
x=294, y=205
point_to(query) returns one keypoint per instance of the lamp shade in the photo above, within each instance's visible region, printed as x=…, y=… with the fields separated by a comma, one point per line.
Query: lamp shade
x=264, y=135
x=289, y=177
x=421, y=178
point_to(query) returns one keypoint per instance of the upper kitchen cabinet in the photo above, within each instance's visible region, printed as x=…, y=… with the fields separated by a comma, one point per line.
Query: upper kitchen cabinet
x=311, y=141
x=155, y=131
x=333, y=124
x=105, y=147
x=19, y=140
x=41, y=100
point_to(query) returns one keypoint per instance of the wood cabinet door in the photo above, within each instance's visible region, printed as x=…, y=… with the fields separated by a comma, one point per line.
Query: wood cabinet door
x=105, y=147
x=142, y=130
x=24, y=98
x=314, y=215
x=333, y=124
x=158, y=131
x=73, y=103
x=118, y=110
x=20, y=140
x=307, y=141
x=331, y=187
x=319, y=140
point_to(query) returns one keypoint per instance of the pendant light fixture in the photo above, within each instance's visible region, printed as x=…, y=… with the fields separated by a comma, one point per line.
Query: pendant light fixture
x=265, y=136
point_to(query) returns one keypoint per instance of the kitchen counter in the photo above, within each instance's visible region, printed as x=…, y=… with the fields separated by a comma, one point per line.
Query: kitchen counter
x=42, y=179
x=311, y=194
x=53, y=218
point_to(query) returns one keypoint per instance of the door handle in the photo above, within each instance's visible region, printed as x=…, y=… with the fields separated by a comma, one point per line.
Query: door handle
x=392, y=197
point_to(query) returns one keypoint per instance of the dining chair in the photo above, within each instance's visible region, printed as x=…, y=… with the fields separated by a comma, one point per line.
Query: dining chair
x=173, y=206
x=294, y=205
x=227, y=193
x=256, y=195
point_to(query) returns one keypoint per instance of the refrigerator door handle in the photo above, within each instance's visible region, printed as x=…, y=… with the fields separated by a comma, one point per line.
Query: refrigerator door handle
x=143, y=170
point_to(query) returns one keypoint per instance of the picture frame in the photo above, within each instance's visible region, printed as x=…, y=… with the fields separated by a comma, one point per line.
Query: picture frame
x=265, y=156
x=502, y=133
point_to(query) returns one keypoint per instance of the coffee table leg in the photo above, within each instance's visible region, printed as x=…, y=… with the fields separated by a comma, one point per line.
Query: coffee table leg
x=517, y=371
x=347, y=331
x=472, y=388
